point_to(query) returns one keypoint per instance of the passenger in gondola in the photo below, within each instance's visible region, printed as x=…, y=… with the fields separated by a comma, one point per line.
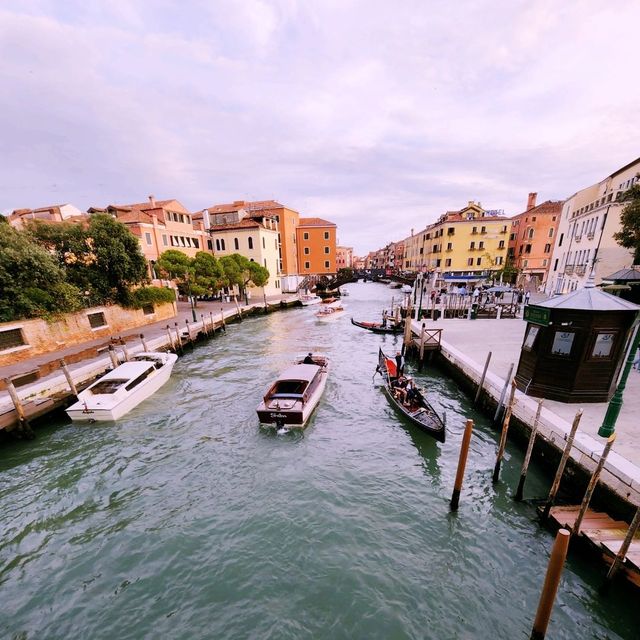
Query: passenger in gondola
x=399, y=388
x=399, y=364
x=308, y=359
x=411, y=392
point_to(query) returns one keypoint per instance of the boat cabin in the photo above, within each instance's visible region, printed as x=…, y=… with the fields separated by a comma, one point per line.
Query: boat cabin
x=296, y=383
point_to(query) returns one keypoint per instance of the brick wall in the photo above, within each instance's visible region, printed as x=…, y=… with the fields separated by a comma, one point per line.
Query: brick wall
x=40, y=336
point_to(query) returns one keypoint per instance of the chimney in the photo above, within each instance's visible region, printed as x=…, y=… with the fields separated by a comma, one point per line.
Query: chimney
x=412, y=232
x=470, y=203
x=238, y=203
x=206, y=219
x=152, y=200
x=531, y=201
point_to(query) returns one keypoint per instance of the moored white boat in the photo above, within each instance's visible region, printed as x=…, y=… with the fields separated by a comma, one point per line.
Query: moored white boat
x=291, y=399
x=308, y=299
x=123, y=388
x=406, y=288
x=330, y=312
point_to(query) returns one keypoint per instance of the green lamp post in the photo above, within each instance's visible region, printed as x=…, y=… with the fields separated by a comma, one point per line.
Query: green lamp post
x=615, y=404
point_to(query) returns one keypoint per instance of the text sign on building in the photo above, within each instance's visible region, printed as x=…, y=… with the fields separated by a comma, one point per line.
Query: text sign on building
x=537, y=315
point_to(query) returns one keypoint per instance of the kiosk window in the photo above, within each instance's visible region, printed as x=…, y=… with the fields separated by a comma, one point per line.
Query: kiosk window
x=562, y=343
x=603, y=345
x=532, y=334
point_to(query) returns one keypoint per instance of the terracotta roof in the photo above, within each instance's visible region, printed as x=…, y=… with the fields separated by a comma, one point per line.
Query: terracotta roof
x=315, y=222
x=546, y=208
x=257, y=205
x=247, y=223
x=135, y=216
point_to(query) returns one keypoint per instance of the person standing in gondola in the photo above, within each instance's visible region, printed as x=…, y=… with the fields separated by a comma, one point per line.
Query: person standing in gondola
x=399, y=364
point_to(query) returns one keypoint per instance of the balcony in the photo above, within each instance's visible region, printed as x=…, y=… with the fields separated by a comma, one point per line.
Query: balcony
x=568, y=269
x=577, y=238
x=591, y=235
x=580, y=269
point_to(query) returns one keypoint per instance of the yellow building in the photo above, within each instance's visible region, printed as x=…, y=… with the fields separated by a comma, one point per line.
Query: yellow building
x=462, y=246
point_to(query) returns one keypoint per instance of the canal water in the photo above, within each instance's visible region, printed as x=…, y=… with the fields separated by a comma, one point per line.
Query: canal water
x=184, y=520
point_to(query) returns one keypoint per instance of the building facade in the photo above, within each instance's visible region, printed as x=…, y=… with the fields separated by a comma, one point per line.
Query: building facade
x=316, y=244
x=56, y=213
x=531, y=240
x=344, y=257
x=585, y=241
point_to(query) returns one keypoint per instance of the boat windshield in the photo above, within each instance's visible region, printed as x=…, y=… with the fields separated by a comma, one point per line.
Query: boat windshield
x=157, y=360
x=105, y=387
x=290, y=388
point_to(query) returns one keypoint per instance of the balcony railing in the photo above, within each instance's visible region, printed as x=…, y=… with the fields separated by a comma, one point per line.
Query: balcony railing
x=568, y=269
x=591, y=235
x=577, y=238
x=580, y=269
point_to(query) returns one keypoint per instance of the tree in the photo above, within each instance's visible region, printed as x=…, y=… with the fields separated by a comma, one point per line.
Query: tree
x=102, y=257
x=508, y=273
x=208, y=273
x=175, y=265
x=241, y=271
x=629, y=234
x=32, y=284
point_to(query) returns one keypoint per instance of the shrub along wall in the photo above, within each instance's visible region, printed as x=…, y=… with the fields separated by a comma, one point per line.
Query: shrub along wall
x=24, y=339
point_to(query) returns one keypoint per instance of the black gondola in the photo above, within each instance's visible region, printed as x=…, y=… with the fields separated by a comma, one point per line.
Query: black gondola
x=420, y=412
x=376, y=327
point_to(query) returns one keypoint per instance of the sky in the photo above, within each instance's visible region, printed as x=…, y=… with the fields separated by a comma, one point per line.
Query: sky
x=376, y=115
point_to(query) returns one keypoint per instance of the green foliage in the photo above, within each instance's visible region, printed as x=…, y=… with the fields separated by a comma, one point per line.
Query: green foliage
x=508, y=273
x=208, y=273
x=151, y=295
x=629, y=234
x=32, y=284
x=241, y=271
x=102, y=257
x=346, y=273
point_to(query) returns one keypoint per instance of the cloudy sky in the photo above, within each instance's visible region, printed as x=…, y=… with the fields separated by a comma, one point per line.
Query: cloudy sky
x=376, y=115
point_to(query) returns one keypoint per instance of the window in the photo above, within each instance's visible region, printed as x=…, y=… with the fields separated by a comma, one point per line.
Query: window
x=306, y=251
x=483, y=230
x=236, y=244
x=438, y=261
x=265, y=263
x=307, y=265
x=499, y=260
x=472, y=246
x=561, y=238
x=196, y=243
x=11, y=338
x=470, y=262
x=527, y=249
x=562, y=343
x=481, y=245
x=326, y=235
x=217, y=244
x=264, y=246
x=210, y=245
x=603, y=345
x=501, y=244
x=305, y=235
x=532, y=334
x=164, y=240
x=250, y=241
x=222, y=243
x=530, y=234
x=525, y=264
x=512, y=236
x=449, y=246
x=547, y=248
x=147, y=237
x=474, y=230
x=479, y=262
x=555, y=264
x=326, y=264
x=96, y=320
x=326, y=249
x=447, y=262
x=551, y=232
x=148, y=309
x=451, y=231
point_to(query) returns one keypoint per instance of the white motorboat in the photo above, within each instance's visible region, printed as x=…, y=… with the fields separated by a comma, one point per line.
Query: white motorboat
x=291, y=399
x=330, y=311
x=406, y=288
x=123, y=388
x=309, y=299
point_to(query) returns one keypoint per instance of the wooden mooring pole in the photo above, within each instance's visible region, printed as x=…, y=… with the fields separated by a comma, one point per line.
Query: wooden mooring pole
x=527, y=457
x=563, y=461
x=484, y=374
x=503, y=394
x=125, y=351
x=145, y=347
x=421, y=361
x=178, y=337
x=406, y=342
x=551, y=582
x=213, y=324
x=67, y=375
x=24, y=428
x=114, y=358
x=462, y=463
x=633, y=529
x=224, y=326
x=503, y=435
x=238, y=309
x=575, y=530
x=173, y=346
x=205, y=329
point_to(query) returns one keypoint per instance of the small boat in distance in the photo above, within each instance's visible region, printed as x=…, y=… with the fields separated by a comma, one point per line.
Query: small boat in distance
x=291, y=399
x=330, y=312
x=309, y=299
x=123, y=388
x=417, y=409
x=377, y=327
x=343, y=291
x=406, y=288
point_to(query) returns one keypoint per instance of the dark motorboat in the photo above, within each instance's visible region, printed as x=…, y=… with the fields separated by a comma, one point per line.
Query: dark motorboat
x=418, y=409
x=377, y=327
x=291, y=399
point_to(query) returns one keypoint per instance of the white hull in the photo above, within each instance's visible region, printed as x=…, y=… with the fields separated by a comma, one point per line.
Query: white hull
x=94, y=408
x=328, y=317
x=309, y=300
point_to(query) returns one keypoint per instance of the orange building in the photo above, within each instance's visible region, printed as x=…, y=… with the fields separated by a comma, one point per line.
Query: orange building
x=533, y=234
x=316, y=242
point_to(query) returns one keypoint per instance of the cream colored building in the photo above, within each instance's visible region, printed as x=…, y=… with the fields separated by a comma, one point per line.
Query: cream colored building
x=253, y=236
x=585, y=239
x=55, y=213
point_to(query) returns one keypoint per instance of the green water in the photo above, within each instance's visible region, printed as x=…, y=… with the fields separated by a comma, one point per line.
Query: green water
x=183, y=520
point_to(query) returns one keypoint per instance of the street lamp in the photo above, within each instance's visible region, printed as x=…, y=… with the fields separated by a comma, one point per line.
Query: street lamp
x=615, y=404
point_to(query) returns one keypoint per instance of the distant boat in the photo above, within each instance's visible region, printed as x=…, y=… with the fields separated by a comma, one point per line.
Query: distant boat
x=394, y=285
x=309, y=299
x=406, y=288
x=330, y=312
x=417, y=410
x=344, y=292
x=291, y=399
x=123, y=388
x=377, y=327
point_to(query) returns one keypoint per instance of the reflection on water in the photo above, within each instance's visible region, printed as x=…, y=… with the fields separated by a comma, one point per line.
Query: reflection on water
x=185, y=520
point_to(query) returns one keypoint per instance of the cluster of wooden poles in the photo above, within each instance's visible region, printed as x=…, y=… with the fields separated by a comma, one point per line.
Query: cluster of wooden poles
x=563, y=536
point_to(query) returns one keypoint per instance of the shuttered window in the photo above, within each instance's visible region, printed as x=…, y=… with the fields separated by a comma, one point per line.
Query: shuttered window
x=11, y=338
